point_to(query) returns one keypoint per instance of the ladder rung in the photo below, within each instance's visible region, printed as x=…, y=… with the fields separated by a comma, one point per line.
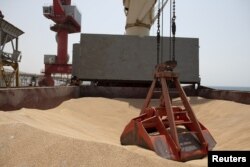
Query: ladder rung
x=180, y=112
x=183, y=122
x=178, y=122
x=186, y=132
x=157, y=91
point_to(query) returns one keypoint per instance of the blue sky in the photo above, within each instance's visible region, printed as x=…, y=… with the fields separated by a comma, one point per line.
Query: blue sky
x=222, y=26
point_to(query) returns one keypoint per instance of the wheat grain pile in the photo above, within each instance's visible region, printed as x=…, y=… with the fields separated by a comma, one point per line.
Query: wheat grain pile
x=86, y=132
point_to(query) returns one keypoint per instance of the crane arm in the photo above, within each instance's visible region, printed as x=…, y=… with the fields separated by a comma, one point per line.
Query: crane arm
x=145, y=10
x=126, y=3
x=139, y=15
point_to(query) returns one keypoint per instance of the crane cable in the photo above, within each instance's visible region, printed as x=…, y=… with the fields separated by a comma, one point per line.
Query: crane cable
x=158, y=38
x=171, y=39
x=170, y=35
x=162, y=29
x=173, y=30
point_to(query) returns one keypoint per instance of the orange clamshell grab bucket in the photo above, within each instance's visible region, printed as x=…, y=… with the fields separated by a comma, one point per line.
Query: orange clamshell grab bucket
x=172, y=132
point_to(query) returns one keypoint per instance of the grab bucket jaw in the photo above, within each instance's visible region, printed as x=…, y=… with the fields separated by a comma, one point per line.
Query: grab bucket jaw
x=172, y=132
x=152, y=133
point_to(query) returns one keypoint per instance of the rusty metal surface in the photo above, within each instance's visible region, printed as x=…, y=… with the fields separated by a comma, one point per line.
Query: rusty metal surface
x=49, y=97
x=237, y=96
x=126, y=92
x=36, y=97
x=113, y=92
x=157, y=127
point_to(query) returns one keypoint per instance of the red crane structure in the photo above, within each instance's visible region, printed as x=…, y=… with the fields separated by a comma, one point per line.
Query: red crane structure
x=67, y=20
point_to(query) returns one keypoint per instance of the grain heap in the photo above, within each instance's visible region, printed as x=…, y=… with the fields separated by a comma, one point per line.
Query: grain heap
x=86, y=132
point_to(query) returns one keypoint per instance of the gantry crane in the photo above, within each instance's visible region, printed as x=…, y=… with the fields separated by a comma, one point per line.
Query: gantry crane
x=67, y=20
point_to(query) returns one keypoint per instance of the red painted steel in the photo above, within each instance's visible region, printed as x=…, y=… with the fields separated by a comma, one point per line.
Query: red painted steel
x=57, y=7
x=62, y=50
x=172, y=132
x=62, y=68
x=36, y=97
